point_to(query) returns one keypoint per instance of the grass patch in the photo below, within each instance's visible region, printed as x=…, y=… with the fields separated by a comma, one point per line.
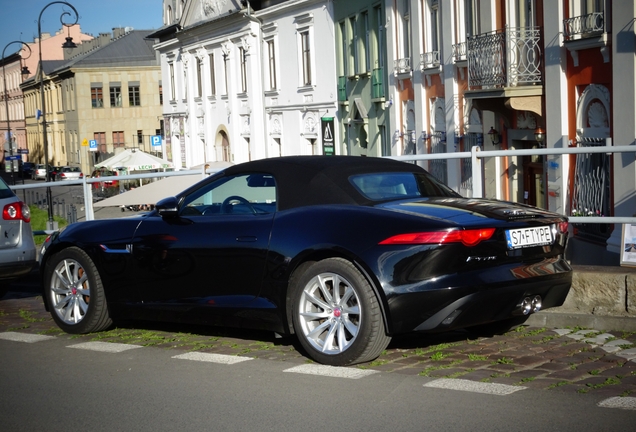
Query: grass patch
x=525, y=380
x=39, y=218
x=28, y=316
x=477, y=357
x=503, y=360
x=438, y=356
x=559, y=384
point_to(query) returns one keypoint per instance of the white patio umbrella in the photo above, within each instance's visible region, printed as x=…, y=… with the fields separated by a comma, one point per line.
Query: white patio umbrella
x=134, y=160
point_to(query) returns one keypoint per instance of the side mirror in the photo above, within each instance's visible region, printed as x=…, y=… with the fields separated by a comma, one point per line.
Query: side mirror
x=168, y=207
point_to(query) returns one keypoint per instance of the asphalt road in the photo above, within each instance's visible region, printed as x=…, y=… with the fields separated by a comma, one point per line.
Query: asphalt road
x=52, y=385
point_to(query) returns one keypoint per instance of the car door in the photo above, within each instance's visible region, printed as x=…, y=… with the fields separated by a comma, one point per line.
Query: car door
x=212, y=254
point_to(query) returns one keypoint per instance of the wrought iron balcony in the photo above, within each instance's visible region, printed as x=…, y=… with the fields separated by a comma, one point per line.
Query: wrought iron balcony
x=402, y=66
x=429, y=60
x=505, y=58
x=584, y=26
x=459, y=52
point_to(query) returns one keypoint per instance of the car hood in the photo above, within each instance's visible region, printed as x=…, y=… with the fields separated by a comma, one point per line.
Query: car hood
x=467, y=211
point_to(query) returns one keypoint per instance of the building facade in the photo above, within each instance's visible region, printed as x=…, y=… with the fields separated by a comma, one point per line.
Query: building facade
x=108, y=94
x=27, y=58
x=247, y=80
x=520, y=74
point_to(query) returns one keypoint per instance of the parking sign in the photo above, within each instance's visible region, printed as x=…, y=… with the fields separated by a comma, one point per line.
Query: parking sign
x=156, y=140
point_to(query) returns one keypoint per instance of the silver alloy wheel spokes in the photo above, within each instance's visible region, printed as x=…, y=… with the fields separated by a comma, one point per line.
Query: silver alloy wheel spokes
x=330, y=314
x=70, y=291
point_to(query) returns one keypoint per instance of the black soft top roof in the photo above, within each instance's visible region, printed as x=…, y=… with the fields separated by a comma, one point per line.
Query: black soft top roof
x=317, y=180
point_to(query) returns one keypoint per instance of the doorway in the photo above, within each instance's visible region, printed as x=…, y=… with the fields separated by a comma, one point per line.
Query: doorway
x=533, y=178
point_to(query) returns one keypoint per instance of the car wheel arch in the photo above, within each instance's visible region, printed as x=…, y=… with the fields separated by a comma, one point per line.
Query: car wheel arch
x=301, y=266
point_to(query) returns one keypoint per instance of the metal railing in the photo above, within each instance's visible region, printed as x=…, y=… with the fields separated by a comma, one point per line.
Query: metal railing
x=505, y=58
x=585, y=25
x=476, y=156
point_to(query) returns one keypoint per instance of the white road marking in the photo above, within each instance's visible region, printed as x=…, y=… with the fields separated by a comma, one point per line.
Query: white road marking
x=474, y=386
x=105, y=346
x=619, y=402
x=212, y=358
x=331, y=371
x=24, y=337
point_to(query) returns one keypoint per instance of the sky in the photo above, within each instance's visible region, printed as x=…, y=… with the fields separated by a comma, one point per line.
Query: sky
x=20, y=18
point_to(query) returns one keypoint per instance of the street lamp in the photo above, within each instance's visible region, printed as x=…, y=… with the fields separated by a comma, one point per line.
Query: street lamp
x=24, y=71
x=50, y=225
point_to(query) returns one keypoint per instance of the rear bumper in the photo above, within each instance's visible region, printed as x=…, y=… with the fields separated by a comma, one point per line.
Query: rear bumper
x=9, y=272
x=451, y=307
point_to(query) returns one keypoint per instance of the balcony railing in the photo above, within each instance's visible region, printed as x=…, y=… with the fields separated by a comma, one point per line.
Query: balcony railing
x=459, y=52
x=402, y=66
x=584, y=26
x=377, y=83
x=508, y=58
x=429, y=60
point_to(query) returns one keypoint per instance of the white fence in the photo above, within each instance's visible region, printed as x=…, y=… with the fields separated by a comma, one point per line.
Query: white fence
x=476, y=155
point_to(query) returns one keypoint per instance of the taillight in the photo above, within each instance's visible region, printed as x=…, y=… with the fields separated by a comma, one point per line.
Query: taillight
x=467, y=237
x=16, y=211
x=81, y=175
x=563, y=227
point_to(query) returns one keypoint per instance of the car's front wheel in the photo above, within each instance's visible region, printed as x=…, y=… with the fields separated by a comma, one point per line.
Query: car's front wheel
x=75, y=292
x=336, y=314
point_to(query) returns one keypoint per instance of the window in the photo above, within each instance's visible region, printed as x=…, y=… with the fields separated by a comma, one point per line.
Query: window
x=271, y=60
x=367, y=42
x=160, y=93
x=306, y=57
x=243, y=57
x=140, y=137
x=405, y=15
x=354, y=45
x=247, y=194
x=434, y=26
x=100, y=138
x=118, y=139
x=399, y=185
x=97, y=98
x=345, y=51
x=212, y=76
x=115, y=95
x=199, y=76
x=133, y=94
x=172, y=89
x=380, y=38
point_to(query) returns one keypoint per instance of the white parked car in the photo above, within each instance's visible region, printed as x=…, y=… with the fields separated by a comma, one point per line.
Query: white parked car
x=69, y=173
x=39, y=172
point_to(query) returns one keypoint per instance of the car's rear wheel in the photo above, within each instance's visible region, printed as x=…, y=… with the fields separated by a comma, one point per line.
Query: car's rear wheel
x=75, y=292
x=336, y=314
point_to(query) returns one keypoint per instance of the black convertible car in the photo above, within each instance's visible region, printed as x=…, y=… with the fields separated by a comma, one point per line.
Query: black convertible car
x=342, y=251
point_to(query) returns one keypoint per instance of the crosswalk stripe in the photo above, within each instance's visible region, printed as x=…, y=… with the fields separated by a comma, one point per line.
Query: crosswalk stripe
x=212, y=358
x=331, y=371
x=619, y=402
x=104, y=346
x=474, y=386
x=24, y=337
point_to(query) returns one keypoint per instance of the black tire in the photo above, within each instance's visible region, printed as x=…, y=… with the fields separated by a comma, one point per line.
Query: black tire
x=4, y=289
x=339, y=330
x=75, y=292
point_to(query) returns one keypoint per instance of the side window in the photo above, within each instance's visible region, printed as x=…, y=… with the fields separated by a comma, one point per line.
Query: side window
x=245, y=194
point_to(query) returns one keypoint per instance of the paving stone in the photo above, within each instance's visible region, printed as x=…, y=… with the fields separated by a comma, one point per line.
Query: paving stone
x=529, y=361
x=552, y=367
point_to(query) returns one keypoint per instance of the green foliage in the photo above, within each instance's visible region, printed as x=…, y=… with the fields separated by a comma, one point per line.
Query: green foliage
x=38, y=222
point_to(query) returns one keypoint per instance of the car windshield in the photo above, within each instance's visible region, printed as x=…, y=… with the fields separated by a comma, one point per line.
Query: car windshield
x=399, y=185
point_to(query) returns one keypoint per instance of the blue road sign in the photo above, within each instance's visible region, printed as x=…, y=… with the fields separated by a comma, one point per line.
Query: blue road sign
x=92, y=145
x=156, y=140
x=12, y=157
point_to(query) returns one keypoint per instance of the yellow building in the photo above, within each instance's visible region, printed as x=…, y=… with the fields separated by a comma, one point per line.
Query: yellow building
x=108, y=95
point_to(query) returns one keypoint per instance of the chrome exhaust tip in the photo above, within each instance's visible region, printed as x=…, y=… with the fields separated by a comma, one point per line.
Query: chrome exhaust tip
x=525, y=307
x=536, y=304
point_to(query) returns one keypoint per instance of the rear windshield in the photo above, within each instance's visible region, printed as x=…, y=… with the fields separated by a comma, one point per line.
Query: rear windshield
x=400, y=185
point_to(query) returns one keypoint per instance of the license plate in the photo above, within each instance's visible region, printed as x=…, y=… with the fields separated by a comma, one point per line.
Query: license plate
x=526, y=237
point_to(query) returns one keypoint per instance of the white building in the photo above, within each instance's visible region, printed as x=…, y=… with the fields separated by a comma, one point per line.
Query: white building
x=245, y=80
